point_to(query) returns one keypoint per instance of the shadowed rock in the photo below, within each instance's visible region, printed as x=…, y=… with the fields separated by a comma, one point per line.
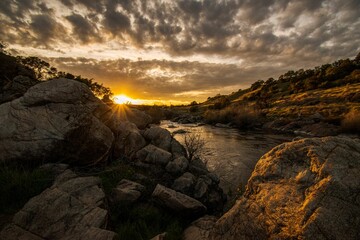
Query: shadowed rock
x=70, y=209
x=56, y=120
x=178, y=202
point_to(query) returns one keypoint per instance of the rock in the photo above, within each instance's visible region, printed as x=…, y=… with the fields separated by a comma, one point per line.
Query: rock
x=128, y=140
x=179, y=131
x=68, y=210
x=320, y=129
x=178, y=202
x=54, y=168
x=307, y=189
x=200, y=229
x=197, y=167
x=154, y=155
x=139, y=118
x=213, y=178
x=201, y=188
x=159, y=137
x=220, y=125
x=127, y=192
x=177, y=149
x=16, y=88
x=54, y=122
x=184, y=184
x=161, y=236
x=178, y=166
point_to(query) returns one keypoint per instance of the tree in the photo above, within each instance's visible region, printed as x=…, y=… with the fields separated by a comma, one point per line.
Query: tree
x=42, y=69
x=194, y=145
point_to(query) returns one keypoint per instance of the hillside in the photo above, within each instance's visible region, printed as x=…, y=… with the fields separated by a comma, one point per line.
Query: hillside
x=329, y=94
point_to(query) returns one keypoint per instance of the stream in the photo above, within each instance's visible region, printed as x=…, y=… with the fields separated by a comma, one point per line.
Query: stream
x=228, y=152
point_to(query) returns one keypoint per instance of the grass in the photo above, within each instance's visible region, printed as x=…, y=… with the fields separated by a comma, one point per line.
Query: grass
x=113, y=174
x=144, y=221
x=351, y=122
x=18, y=185
x=241, y=116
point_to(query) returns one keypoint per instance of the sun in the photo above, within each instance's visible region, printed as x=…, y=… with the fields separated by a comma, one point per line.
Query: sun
x=122, y=99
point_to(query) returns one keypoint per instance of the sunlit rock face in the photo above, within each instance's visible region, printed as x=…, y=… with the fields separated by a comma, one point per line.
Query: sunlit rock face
x=302, y=190
x=57, y=120
x=308, y=189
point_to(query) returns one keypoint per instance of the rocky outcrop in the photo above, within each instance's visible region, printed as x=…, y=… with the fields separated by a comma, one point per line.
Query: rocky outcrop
x=54, y=121
x=178, y=202
x=70, y=209
x=61, y=120
x=306, y=189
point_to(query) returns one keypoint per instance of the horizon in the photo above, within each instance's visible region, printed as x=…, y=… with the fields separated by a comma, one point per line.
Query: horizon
x=177, y=52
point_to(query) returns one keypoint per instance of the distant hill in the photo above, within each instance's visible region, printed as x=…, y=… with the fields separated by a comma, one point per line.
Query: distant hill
x=330, y=92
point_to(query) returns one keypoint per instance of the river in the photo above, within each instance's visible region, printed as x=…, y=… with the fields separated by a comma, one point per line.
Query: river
x=228, y=152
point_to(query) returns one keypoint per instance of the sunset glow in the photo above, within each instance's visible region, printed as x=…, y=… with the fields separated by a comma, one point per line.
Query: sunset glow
x=123, y=99
x=180, y=51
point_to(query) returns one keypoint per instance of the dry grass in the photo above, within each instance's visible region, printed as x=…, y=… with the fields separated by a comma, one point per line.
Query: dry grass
x=351, y=122
x=241, y=116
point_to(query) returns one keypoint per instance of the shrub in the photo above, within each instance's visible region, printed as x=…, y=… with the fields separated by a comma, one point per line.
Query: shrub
x=194, y=145
x=351, y=122
x=194, y=108
x=240, y=116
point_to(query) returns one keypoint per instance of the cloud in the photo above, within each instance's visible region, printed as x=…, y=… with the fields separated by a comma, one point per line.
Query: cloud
x=164, y=79
x=83, y=29
x=267, y=37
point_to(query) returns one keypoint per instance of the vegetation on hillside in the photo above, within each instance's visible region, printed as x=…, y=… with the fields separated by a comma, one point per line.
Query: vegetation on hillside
x=40, y=70
x=331, y=90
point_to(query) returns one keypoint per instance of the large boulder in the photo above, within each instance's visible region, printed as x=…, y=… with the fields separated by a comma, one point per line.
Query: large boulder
x=178, y=202
x=306, y=189
x=125, y=113
x=70, y=209
x=55, y=121
x=128, y=139
x=159, y=137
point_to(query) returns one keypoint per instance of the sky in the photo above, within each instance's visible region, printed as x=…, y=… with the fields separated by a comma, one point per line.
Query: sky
x=177, y=51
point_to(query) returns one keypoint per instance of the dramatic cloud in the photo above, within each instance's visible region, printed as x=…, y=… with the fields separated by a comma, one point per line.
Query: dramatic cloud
x=254, y=34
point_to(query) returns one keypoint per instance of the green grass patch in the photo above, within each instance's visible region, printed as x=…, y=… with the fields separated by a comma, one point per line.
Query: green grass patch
x=144, y=221
x=18, y=185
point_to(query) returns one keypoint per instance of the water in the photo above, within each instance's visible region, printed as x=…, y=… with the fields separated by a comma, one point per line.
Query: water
x=228, y=152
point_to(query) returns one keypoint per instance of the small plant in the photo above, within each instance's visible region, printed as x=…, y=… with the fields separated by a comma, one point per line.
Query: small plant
x=194, y=145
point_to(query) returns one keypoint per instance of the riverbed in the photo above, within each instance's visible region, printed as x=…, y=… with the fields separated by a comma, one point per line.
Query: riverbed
x=228, y=152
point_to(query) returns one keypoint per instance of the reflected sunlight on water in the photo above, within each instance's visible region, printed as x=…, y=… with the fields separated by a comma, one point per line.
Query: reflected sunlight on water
x=230, y=153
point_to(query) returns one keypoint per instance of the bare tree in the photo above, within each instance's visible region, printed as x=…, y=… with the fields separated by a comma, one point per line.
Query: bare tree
x=194, y=145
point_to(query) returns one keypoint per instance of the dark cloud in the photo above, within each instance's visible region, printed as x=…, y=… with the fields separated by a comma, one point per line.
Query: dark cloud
x=44, y=27
x=83, y=29
x=116, y=22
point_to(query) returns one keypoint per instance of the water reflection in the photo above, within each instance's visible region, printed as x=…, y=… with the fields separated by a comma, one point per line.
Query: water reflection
x=231, y=154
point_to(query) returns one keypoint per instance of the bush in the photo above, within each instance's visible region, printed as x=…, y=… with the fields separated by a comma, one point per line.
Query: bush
x=194, y=108
x=194, y=145
x=351, y=122
x=241, y=116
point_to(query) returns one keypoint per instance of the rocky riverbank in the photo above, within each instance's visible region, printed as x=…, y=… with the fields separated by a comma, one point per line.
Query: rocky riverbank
x=61, y=121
